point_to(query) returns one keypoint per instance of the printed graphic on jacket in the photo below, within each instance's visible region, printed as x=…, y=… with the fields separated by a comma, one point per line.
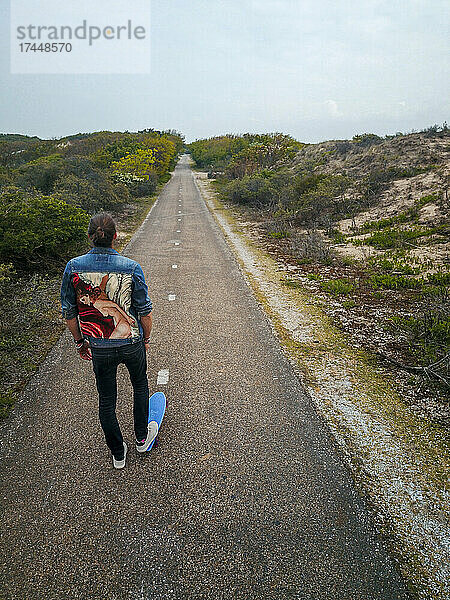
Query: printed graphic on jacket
x=104, y=301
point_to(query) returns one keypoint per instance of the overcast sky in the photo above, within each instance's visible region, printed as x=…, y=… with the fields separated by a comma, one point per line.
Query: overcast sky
x=317, y=69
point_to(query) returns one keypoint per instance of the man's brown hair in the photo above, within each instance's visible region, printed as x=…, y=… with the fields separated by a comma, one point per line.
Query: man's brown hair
x=101, y=230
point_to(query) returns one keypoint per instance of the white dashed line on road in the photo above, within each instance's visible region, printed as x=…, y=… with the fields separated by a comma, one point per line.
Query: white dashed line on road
x=163, y=377
x=172, y=297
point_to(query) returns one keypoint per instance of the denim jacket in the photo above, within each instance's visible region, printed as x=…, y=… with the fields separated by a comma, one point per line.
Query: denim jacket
x=108, y=294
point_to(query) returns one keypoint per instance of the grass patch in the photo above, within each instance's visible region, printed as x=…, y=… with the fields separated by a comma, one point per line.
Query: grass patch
x=439, y=279
x=389, y=281
x=385, y=239
x=348, y=304
x=337, y=287
x=292, y=283
x=435, y=292
x=278, y=234
x=338, y=237
x=396, y=238
x=7, y=400
x=393, y=264
x=30, y=323
x=411, y=214
x=347, y=261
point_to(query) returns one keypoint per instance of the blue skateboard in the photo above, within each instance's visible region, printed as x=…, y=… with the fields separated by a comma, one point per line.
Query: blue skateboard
x=156, y=410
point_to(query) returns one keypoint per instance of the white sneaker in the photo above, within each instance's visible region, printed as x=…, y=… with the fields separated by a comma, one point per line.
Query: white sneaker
x=152, y=432
x=119, y=464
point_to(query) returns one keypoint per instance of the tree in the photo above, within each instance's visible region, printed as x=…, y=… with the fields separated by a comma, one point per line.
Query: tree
x=139, y=164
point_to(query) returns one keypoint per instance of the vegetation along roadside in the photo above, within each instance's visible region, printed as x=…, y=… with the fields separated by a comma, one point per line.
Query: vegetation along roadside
x=48, y=191
x=364, y=225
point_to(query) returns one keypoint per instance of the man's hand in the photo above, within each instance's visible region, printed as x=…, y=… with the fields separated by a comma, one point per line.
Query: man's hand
x=84, y=351
x=82, y=345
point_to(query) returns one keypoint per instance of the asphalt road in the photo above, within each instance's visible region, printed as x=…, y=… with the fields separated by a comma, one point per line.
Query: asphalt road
x=245, y=496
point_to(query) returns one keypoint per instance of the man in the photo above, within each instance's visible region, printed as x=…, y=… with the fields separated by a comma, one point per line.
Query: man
x=108, y=311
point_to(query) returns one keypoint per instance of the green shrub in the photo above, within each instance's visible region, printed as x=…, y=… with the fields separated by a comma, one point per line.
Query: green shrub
x=245, y=153
x=255, y=191
x=7, y=273
x=92, y=194
x=163, y=147
x=140, y=164
x=395, y=238
x=428, y=334
x=291, y=283
x=393, y=282
x=312, y=247
x=410, y=214
x=381, y=223
x=278, y=234
x=435, y=292
x=40, y=174
x=30, y=323
x=81, y=166
x=7, y=400
x=337, y=287
x=392, y=264
x=6, y=178
x=338, y=237
x=36, y=228
x=261, y=155
x=439, y=278
x=366, y=139
x=317, y=198
x=7, y=276
x=217, y=151
x=347, y=261
x=140, y=189
x=348, y=304
x=114, y=151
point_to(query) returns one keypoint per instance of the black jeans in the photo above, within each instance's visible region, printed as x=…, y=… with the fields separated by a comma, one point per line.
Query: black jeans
x=105, y=362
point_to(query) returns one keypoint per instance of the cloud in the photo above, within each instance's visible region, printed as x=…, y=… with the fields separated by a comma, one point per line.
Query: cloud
x=333, y=108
